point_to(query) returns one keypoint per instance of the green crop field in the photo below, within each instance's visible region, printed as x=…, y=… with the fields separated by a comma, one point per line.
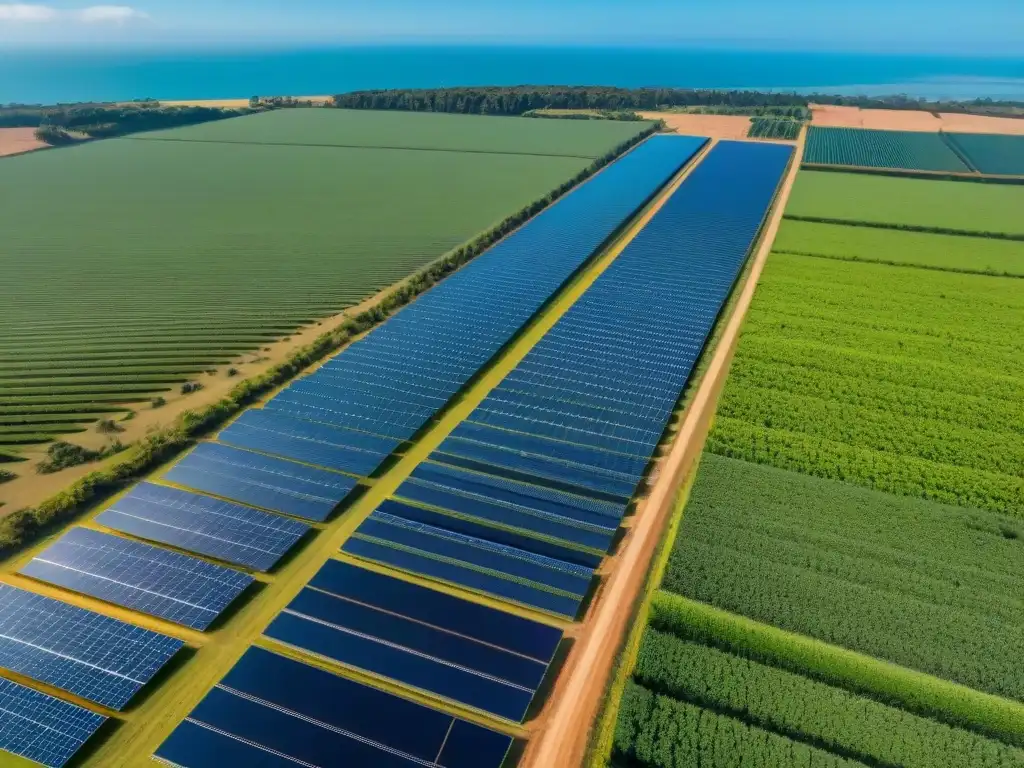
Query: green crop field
x=774, y=128
x=901, y=379
x=885, y=200
x=992, y=153
x=954, y=253
x=424, y=130
x=906, y=150
x=925, y=585
x=142, y=264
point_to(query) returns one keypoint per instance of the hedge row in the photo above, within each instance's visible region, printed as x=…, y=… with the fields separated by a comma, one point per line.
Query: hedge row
x=896, y=686
x=22, y=526
x=907, y=227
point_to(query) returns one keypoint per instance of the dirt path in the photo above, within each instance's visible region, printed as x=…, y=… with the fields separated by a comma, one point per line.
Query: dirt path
x=17, y=141
x=578, y=694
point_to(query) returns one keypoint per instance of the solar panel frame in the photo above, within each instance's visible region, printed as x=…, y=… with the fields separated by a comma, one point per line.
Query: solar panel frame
x=144, y=578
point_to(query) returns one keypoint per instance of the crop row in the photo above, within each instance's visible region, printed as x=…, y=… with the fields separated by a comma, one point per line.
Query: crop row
x=656, y=731
x=809, y=711
x=925, y=585
x=908, y=150
x=774, y=128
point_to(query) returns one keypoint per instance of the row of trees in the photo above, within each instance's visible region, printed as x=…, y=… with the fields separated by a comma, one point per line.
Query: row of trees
x=516, y=100
x=105, y=120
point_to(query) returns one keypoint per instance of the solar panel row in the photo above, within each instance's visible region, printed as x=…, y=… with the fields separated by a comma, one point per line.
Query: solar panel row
x=587, y=406
x=394, y=380
x=147, y=579
x=207, y=526
x=41, y=728
x=93, y=656
x=467, y=653
x=278, y=713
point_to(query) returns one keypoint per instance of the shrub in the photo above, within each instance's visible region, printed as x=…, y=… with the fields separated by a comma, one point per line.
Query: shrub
x=158, y=402
x=6, y=476
x=190, y=386
x=108, y=426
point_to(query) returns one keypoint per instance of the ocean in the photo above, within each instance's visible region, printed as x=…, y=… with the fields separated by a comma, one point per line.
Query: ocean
x=64, y=76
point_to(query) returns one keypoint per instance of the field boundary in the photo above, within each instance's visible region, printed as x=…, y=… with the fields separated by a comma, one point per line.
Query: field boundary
x=566, y=735
x=22, y=527
x=906, y=227
x=917, y=692
x=907, y=264
x=910, y=173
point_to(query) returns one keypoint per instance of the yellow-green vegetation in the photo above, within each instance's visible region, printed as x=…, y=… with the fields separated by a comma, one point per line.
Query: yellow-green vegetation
x=175, y=256
x=902, y=248
x=944, y=206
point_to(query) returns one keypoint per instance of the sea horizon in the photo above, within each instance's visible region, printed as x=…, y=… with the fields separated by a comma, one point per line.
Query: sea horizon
x=35, y=76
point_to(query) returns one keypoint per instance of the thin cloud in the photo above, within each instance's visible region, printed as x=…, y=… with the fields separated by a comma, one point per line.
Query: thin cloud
x=109, y=14
x=95, y=14
x=24, y=12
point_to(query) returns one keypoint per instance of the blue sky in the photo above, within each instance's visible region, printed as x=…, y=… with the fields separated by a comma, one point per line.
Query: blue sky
x=939, y=26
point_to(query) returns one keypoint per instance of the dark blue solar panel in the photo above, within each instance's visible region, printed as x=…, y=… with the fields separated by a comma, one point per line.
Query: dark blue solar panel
x=488, y=625
x=442, y=658
x=93, y=656
x=274, y=484
x=218, y=529
x=358, y=453
x=483, y=553
x=148, y=579
x=271, y=711
x=41, y=728
x=533, y=533
x=454, y=573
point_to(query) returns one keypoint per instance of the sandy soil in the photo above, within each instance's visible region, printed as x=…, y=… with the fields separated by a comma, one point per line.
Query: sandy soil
x=906, y=120
x=234, y=103
x=715, y=126
x=15, y=141
x=576, y=702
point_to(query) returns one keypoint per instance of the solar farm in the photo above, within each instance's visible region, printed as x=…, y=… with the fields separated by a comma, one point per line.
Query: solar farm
x=412, y=527
x=203, y=245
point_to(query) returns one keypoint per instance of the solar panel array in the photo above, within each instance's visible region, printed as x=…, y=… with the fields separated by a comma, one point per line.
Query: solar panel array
x=93, y=656
x=41, y=728
x=468, y=653
x=218, y=529
x=272, y=711
x=148, y=579
x=524, y=498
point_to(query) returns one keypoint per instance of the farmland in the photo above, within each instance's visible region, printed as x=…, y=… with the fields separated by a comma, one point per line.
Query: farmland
x=991, y=153
x=847, y=573
x=954, y=253
x=906, y=150
x=190, y=253
x=910, y=203
x=773, y=128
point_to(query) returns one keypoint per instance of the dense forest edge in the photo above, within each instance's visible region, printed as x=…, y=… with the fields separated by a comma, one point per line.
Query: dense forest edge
x=521, y=99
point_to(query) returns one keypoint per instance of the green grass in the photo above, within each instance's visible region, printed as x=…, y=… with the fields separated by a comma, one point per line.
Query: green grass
x=918, y=249
x=907, y=150
x=905, y=380
x=924, y=585
x=950, y=205
x=419, y=130
x=992, y=153
x=808, y=711
x=174, y=256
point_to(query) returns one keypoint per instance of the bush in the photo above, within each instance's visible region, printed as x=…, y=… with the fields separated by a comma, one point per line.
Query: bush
x=108, y=426
x=62, y=455
x=232, y=372
x=54, y=135
x=190, y=386
x=158, y=402
x=6, y=476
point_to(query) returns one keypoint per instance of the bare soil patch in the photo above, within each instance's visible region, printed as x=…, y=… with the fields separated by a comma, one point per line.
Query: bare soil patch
x=15, y=141
x=911, y=120
x=715, y=126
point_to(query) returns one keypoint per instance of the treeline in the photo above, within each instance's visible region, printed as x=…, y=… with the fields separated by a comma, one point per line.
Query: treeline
x=105, y=120
x=517, y=100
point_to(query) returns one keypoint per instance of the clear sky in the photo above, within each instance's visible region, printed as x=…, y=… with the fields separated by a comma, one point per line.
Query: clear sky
x=940, y=26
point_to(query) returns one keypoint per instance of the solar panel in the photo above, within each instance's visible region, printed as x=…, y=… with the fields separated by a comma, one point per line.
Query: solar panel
x=148, y=579
x=41, y=728
x=207, y=526
x=275, y=484
x=271, y=711
x=456, y=651
x=93, y=656
x=281, y=435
